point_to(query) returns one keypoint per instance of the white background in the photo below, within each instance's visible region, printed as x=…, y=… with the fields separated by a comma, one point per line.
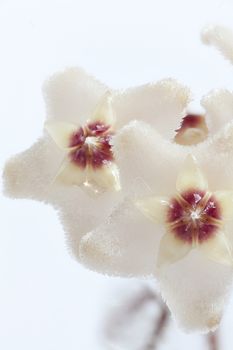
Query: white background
x=48, y=301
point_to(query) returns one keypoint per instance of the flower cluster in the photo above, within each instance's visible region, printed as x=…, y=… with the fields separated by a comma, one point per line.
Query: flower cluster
x=142, y=186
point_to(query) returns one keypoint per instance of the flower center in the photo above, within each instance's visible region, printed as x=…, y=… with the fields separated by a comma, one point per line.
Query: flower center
x=194, y=216
x=193, y=130
x=91, y=145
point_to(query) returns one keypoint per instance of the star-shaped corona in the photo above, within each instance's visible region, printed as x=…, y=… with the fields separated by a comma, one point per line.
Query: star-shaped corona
x=194, y=217
x=88, y=157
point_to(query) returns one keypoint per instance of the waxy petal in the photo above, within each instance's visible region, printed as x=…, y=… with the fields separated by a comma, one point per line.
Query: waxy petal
x=71, y=174
x=104, y=112
x=172, y=250
x=161, y=104
x=190, y=177
x=221, y=38
x=155, y=208
x=218, y=249
x=61, y=132
x=225, y=200
x=72, y=95
x=219, y=106
x=105, y=177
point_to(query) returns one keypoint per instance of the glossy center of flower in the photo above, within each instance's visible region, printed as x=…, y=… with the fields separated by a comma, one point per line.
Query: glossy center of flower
x=194, y=216
x=91, y=145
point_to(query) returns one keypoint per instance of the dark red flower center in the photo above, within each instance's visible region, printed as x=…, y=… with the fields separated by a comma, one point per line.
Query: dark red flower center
x=193, y=130
x=194, y=216
x=91, y=145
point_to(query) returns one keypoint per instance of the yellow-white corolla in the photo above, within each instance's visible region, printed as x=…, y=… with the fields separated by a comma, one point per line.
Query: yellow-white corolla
x=88, y=157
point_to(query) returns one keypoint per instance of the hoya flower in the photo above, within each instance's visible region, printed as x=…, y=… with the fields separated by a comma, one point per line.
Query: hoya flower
x=184, y=182
x=89, y=159
x=72, y=165
x=193, y=216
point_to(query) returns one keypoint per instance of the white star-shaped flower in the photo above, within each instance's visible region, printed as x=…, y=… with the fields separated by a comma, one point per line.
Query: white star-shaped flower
x=72, y=165
x=193, y=216
x=186, y=187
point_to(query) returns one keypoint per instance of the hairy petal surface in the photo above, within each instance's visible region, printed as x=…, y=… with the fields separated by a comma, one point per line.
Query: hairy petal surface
x=220, y=37
x=215, y=158
x=219, y=109
x=35, y=174
x=72, y=95
x=196, y=290
x=31, y=173
x=148, y=162
x=162, y=105
x=126, y=245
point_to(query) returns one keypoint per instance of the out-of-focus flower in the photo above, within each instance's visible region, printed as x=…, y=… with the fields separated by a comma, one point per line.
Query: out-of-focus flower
x=221, y=38
x=197, y=286
x=73, y=160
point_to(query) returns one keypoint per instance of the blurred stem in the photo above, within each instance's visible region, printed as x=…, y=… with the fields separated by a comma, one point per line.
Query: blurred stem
x=213, y=341
x=160, y=326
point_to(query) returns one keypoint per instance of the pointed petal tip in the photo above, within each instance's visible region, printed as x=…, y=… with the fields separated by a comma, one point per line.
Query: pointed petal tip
x=104, y=111
x=61, y=132
x=218, y=249
x=154, y=208
x=190, y=176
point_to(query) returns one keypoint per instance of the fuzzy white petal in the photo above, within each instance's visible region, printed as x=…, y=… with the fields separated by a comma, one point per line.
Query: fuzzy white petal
x=196, y=290
x=72, y=95
x=146, y=158
x=81, y=212
x=190, y=176
x=126, y=245
x=161, y=104
x=31, y=173
x=219, y=108
x=221, y=38
x=215, y=158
